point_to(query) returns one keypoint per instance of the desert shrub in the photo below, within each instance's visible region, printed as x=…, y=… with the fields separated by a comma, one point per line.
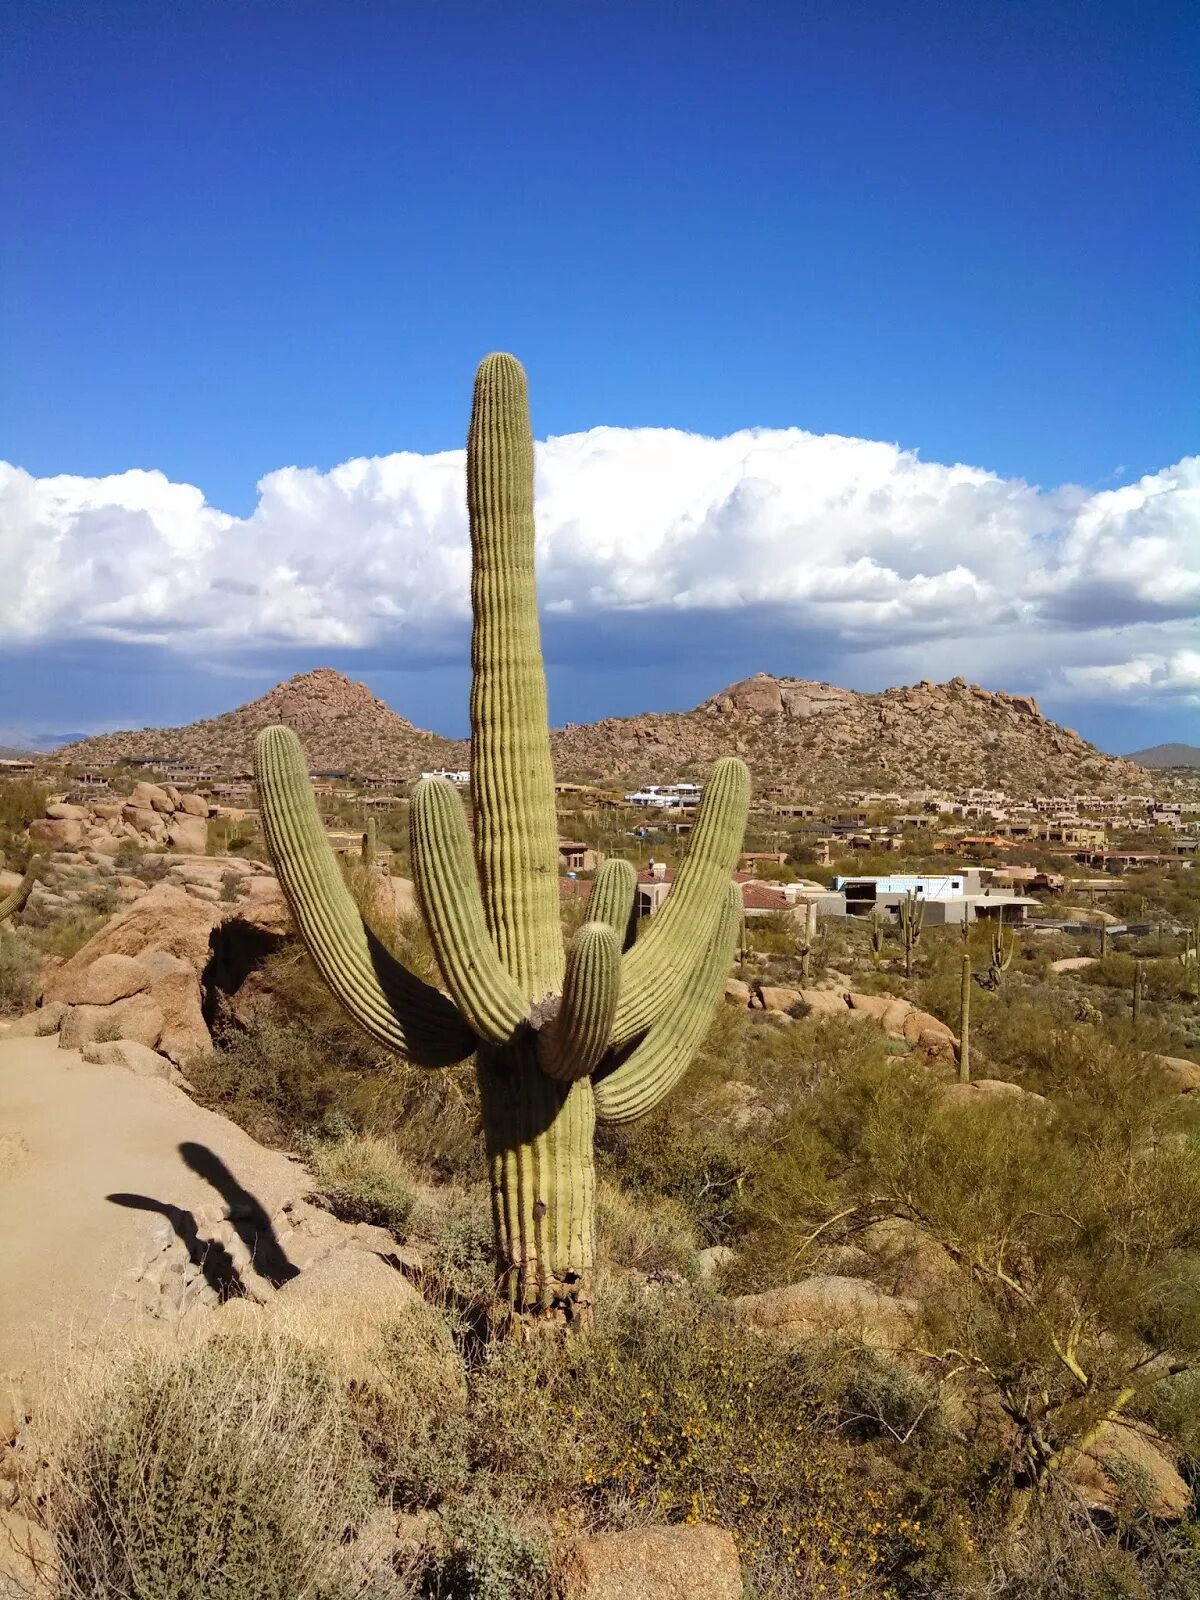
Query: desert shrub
x=665, y=1157
x=22, y=801
x=231, y=1469
x=483, y=1555
x=19, y=964
x=657, y=1238
x=458, y=1248
x=233, y=886
x=412, y=1410
x=674, y=1411
x=67, y=934
x=361, y=1178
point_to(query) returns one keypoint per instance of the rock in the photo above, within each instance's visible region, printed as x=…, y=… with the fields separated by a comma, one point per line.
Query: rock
x=1127, y=1463
x=909, y=1262
x=188, y=833
x=714, y=1259
x=62, y=812
x=184, y=1032
x=64, y=833
x=193, y=805
x=936, y=1050
x=873, y=1005
x=27, y=1555
x=136, y=1058
x=404, y=894
x=136, y=1018
x=689, y=1562
x=828, y=1304
x=919, y=1023
x=1177, y=1073
x=894, y=1017
x=150, y=797
x=109, y=978
x=773, y=999
x=989, y=1091
x=39, y=1024
x=824, y=1002
x=737, y=993
x=1073, y=963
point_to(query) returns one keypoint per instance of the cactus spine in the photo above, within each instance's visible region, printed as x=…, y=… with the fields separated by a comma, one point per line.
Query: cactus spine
x=19, y=898
x=912, y=920
x=964, y=1023
x=562, y=1038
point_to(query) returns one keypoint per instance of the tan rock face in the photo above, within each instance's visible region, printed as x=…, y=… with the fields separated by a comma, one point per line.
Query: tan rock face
x=59, y=833
x=1128, y=1464
x=698, y=1562
x=194, y=805
x=60, y=811
x=108, y=978
x=150, y=797
x=768, y=998
x=1178, y=1073
x=988, y=1091
x=137, y=1058
x=737, y=993
x=189, y=834
x=828, y=1304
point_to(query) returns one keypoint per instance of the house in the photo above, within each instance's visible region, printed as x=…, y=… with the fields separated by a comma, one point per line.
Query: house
x=965, y=896
x=760, y=858
x=1076, y=835
x=575, y=856
x=667, y=796
x=460, y=778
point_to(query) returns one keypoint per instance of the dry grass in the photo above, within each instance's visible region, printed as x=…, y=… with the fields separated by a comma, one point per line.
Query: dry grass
x=362, y=1178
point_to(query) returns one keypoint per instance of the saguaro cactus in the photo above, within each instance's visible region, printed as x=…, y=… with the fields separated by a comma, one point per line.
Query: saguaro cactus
x=912, y=920
x=18, y=899
x=1002, y=952
x=876, y=932
x=562, y=1038
x=964, y=1023
x=368, y=843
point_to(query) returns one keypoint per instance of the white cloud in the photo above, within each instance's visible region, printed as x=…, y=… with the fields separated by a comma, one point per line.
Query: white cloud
x=914, y=566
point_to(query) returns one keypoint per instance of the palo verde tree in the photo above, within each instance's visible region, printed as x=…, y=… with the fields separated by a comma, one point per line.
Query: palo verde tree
x=562, y=1038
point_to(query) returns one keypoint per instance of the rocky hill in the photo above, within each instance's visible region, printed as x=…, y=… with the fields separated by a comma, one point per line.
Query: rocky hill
x=819, y=738
x=343, y=726
x=806, y=735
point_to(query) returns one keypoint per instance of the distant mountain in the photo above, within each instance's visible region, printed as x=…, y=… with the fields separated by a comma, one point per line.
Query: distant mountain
x=12, y=752
x=816, y=736
x=342, y=724
x=793, y=732
x=1167, y=755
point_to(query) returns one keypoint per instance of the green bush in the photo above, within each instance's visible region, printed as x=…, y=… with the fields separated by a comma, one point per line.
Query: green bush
x=19, y=965
x=232, y=1470
x=361, y=1178
x=483, y=1555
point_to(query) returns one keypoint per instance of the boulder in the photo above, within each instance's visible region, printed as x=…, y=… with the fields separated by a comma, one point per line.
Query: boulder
x=193, y=805
x=39, y=1024
x=873, y=1005
x=772, y=999
x=61, y=833
x=906, y=1259
x=827, y=1305
x=109, y=978
x=1130, y=1463
x=737, y=993
x=714, y=1259
x=60, y=811
x=188, y=833
x=1072, y=963
x=150, y=797
x=824, y=1002
x=936, y=1049
x=689, y=1562
x=107, y=810
x=184, y=1032
x=989, y=1091
x=919, y=1023
x=1177, y=1073
x=137, y=1018
x=893, y=1018
x=127, y=1053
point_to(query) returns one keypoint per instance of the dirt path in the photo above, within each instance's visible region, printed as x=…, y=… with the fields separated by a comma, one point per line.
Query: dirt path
x=199, y=1208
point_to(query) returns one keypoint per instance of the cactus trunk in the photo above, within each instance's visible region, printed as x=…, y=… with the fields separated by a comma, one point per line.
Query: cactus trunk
x=539, y=1136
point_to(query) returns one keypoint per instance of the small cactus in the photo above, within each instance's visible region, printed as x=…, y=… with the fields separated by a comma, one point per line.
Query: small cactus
x=368, y=843
x=1139, y=993
x=876, y=932
x=964, y=1023
x=562, y=1038
x=1002, y=952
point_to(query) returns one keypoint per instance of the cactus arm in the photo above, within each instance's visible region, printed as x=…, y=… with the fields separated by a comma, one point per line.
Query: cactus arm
x=512, y=781
x=448, y=890
x=391, y=1003
x=656, y=1065
x=693, y=907
x=614, y=891
x=19, y=898
x=572, y=1044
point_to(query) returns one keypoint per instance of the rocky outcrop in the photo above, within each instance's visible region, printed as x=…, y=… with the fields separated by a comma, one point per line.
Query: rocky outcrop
x=927, y=734
x=150, y=973
x=898, y=1018
x=827, y=1304
x=153, y=816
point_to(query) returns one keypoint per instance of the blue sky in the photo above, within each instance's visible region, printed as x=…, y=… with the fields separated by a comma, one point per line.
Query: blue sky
x=252, y=237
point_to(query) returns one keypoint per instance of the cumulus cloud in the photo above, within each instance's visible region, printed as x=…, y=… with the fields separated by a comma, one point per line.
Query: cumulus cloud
x=908, y=565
